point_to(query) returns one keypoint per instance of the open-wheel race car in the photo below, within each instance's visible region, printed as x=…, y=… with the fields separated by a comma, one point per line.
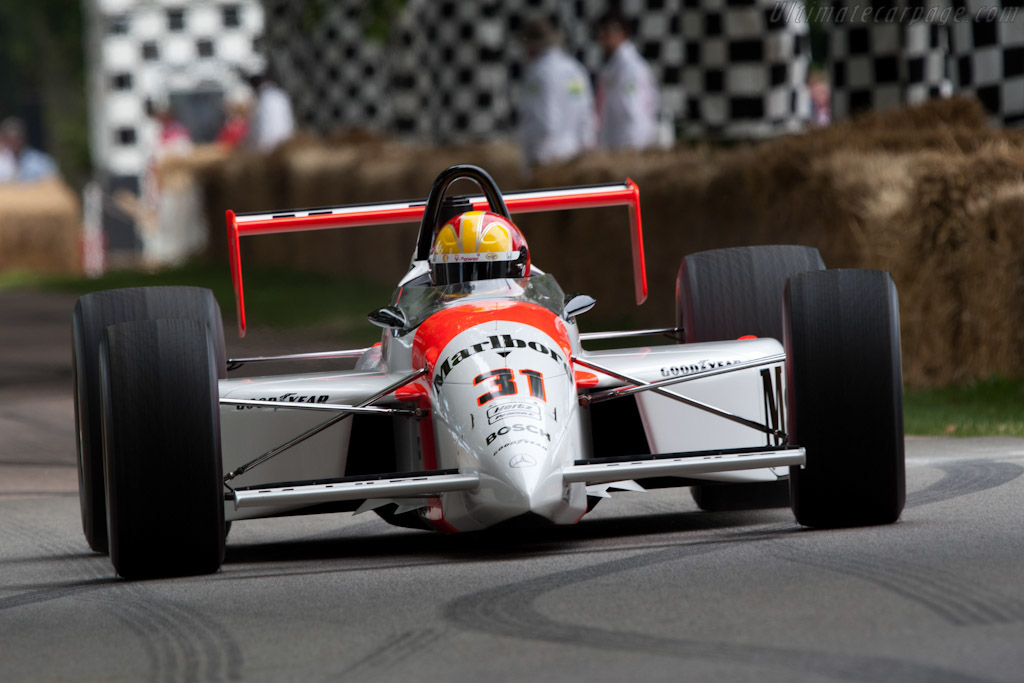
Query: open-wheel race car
x=481, y=406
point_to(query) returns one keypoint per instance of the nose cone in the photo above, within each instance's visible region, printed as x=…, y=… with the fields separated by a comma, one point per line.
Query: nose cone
x=557, y=501
x=524, y=476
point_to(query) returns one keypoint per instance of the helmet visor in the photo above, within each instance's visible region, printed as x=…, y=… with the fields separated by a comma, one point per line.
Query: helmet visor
x=454, y=268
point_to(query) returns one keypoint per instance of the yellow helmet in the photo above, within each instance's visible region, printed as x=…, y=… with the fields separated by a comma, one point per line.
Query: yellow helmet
x=478, y=245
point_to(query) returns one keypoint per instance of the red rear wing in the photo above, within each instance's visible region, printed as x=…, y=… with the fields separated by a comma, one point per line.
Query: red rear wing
x=583, y=197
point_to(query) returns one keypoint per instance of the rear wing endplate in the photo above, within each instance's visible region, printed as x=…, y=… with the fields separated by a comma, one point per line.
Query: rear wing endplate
x=530, y=201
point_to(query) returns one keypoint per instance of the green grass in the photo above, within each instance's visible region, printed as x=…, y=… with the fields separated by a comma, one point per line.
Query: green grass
x=992, y=407
x=274, y=297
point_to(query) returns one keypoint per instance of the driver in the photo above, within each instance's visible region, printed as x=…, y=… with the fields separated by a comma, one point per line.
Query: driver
x=478, y=245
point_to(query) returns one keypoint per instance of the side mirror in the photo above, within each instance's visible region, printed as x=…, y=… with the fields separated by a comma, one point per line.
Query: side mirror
x=577, y=304
x=389, y=317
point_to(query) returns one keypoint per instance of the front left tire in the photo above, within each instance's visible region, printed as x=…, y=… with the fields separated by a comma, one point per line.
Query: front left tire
x=92, y=315
x=162, y=450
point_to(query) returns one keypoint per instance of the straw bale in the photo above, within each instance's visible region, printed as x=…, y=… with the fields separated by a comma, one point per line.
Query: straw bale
x=40, y=228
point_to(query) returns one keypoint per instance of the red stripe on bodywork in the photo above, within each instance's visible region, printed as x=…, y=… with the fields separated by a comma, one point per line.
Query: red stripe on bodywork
x=439, y=329
x=435, y=517
x=586, y=380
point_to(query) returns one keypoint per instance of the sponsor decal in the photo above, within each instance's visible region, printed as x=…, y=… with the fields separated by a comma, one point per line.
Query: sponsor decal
x=517, y=428
x=522, y=460
x=505, y=411
x=477, y=257
x=287, y=398
x=679, y=370
x=500, y=343
x=520, y=442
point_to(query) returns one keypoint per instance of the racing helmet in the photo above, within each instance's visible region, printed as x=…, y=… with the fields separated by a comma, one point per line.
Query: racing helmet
x=478, y=245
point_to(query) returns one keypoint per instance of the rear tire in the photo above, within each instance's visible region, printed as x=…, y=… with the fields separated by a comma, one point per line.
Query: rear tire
x=92, y=314
x=724, y=294
x=845, y=397
x=161, y=438
x=728, y=293
x=758, y=495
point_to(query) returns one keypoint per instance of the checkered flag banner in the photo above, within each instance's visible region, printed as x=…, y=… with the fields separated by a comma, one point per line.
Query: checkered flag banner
x=451, y=70
x=910, y=51
x=150, y=51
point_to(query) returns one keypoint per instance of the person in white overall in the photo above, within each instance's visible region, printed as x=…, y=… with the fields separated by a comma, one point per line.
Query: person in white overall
x=627, y=96
x=556, y=109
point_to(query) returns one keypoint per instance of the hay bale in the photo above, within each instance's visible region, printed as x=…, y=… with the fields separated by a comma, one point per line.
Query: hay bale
x=40, y=228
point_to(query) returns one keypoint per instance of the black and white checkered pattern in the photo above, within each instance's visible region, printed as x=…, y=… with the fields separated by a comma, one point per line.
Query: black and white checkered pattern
x=746, y=66
x=925, y=61
x=988, y=49
x=922, y=49
x=139, y=51
x=865, y=60
x=450, y=70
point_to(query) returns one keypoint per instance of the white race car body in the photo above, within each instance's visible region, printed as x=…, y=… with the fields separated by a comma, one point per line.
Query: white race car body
x=481, y=405
x=496, y=420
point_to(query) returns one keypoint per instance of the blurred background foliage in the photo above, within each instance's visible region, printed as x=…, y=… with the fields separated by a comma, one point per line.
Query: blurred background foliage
x=42, y=79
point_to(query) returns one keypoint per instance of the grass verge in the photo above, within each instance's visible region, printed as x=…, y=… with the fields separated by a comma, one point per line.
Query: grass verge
x=992, y=407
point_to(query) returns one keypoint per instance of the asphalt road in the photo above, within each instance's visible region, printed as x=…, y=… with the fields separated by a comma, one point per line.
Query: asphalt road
x=644, y=588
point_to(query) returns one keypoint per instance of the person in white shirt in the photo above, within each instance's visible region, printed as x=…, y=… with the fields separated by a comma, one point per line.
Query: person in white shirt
x=556, y=109
x=8, y=164
x=627, y=95
x=273, y=121
x=29, y=164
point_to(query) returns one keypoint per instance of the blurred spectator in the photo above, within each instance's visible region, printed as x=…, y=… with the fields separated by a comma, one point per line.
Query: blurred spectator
x=30, y=165
x=8, y=166
x=821, y=98
x=273, y=121
x=237, y=109
x=557, y=106
x=627, y=96
x=167, y=217
x=173, y=138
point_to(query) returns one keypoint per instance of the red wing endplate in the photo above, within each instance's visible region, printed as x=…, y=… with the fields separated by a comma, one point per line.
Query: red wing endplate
x=531, y=201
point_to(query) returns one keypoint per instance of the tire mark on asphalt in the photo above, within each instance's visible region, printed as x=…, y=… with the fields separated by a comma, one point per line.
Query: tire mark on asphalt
x=69, y=559
x=964, y=478
x=34, y=597
x=389, y=654
x=509, y=611
x=180, y=644
x=957, y=601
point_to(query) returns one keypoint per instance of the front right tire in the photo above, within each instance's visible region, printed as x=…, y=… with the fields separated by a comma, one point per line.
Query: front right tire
x=845, y=396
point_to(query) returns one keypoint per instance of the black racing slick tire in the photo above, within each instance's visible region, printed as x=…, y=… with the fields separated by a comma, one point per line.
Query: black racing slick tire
x=161, y=441
x=845, y=395
x=728, y=293
x=725, y=294
x=92, y=314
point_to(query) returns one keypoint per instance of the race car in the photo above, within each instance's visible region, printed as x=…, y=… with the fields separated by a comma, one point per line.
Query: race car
x=481, y=407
